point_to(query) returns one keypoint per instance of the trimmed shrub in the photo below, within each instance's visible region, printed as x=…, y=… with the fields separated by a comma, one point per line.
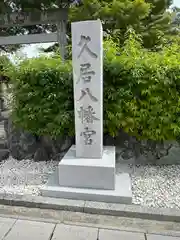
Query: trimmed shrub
x=43, y=96
x=141, y=92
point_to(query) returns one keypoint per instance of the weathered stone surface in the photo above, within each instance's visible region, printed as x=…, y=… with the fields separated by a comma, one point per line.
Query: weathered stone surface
x=173, y=156
x=130, y=150
x=16, y=152
x=28, y=142
x=2, y=107
x=41, y=155
x=4, y=154
x=23, y=145
x=3, y=144
x=56, y=147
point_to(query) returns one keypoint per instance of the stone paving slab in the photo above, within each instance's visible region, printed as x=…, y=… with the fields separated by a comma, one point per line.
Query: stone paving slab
x=16, y=229
x=92, y=220
x=67, y=232
x=30, y=230
x=120, y=235
x=5, y=226
x=160, y=237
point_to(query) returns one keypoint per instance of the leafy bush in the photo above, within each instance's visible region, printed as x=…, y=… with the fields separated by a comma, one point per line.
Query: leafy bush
x=141, y=92
x=43, y=96
x=4, y=65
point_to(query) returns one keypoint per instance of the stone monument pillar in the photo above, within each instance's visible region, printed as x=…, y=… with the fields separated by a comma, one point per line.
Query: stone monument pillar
x=87, y=57
x=87, y=171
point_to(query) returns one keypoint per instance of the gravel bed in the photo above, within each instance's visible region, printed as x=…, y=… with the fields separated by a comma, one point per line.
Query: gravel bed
x=156, y=186
x=24, y=177
x=152, y=186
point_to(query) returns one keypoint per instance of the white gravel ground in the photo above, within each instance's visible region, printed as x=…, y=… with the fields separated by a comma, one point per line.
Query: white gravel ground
x=152, y=186
x=24, y=177
x=156, y=186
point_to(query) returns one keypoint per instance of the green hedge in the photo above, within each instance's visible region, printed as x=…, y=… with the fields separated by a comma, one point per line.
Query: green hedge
x=141, y=92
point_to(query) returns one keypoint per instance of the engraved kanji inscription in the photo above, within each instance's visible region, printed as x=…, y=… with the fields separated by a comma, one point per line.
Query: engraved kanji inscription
x=87, y=134
x=87, y=115
x=84, y=44
x=86, y=73
x=85, y=92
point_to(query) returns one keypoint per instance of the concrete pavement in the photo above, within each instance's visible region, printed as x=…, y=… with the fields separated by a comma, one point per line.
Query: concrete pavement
x=21, y=229
x=19, y=222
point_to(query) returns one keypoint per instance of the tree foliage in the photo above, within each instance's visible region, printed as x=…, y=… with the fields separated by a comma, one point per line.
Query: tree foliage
x=4, y=79
x=5, y=64
x=141, y=92
x=148, y=17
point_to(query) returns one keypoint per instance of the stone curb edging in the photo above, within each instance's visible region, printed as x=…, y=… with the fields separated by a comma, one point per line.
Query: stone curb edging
x=118, y=210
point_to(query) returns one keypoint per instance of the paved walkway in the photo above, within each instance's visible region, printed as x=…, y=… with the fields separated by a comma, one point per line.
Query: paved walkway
x=18, y=229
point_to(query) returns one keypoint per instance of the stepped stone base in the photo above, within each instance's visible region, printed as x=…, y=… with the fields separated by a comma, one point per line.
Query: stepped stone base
x=89, y=179
x=121, y=194
x=90, y=173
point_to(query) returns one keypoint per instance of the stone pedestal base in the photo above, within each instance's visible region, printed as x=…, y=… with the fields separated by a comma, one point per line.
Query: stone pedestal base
x=89, y=179
x=90, y=173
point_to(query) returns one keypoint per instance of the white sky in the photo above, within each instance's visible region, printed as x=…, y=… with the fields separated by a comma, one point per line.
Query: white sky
x=177, y=3
x=31, y=50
